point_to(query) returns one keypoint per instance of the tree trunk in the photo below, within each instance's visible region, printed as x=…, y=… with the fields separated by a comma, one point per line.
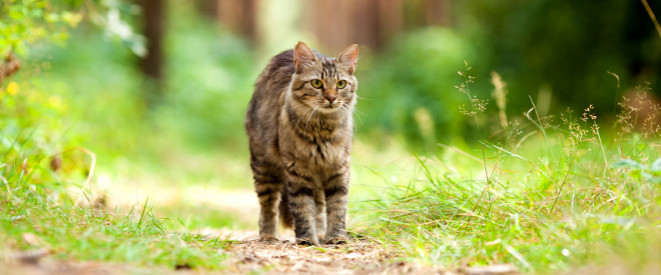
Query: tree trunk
x=152, y=64
x=239, y=16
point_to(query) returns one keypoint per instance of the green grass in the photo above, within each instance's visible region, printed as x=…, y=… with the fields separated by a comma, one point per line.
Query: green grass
x=36, y=202
x=202, y=216
x=544, y=195
x=84, y=234
x=80, y=233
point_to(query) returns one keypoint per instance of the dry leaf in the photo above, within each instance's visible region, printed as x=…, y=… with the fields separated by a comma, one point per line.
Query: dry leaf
x=30, y=239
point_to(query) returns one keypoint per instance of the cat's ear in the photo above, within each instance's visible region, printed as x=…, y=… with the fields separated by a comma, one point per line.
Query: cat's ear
x=303, y=56
x=349, y=57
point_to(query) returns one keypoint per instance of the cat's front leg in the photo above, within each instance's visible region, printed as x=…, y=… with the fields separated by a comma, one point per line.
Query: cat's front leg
x=320, y=212
x=336, y=189
x=302, y=207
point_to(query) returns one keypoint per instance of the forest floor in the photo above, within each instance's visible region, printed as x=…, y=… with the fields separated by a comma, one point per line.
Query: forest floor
x=246, y=255
x=249, y=256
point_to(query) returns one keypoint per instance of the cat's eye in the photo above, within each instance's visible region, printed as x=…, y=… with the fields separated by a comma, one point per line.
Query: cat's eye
x=341, y=84
x=317, y=83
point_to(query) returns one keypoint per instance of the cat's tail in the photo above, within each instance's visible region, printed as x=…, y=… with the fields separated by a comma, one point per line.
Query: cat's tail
x=285, y=215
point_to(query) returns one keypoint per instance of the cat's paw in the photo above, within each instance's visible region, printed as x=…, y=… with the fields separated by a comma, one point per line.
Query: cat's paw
x=306, y=241
x=336, y=240
x=269, y=239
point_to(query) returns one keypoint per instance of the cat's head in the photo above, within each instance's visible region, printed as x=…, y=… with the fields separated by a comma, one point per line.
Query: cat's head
x=325, y=84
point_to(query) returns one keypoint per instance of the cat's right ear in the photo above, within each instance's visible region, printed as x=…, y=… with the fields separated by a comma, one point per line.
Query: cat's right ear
x=349, y=57
x=303, y=56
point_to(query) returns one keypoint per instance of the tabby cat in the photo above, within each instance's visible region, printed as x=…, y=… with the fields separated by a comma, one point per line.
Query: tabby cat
x=300, y=127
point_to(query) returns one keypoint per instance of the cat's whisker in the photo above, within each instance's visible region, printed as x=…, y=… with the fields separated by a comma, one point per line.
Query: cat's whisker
x=310, y=117
x=358, y=112
x=348, y=112
x=360, y=120
x=300, y=119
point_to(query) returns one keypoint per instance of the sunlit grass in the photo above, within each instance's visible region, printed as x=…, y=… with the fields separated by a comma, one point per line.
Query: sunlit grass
x=85, y=234
x=552, y=198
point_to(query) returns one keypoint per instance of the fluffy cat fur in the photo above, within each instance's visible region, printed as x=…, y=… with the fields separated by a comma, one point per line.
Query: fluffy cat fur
x=300, y=127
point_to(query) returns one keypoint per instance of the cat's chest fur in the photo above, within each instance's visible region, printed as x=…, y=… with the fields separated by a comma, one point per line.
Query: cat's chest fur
x=321, y=143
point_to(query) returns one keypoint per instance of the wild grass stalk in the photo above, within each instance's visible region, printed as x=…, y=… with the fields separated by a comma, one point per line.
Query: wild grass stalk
x=477, y=106
x=588, y=115
x=559, y=201
x=652, y=17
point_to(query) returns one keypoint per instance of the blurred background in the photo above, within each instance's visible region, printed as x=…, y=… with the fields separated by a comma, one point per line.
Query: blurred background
x=157, y=89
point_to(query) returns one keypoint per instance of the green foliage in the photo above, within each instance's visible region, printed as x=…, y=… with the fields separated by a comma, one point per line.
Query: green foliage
x=552, y=44
x=31, y=135
x=545, y=49
x=30, y=28
x=408, y=89
x=56, y=125
x=211, y=74
x=103, y=101
x=24, y=22
x=639, y=171
x=44, y=188
x=42, y=180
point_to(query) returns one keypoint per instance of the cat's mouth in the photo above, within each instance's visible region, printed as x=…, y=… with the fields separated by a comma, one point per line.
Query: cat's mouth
x=332, y=106
x=329, y=107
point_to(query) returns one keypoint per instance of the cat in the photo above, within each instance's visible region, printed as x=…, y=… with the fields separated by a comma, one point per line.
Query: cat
x=300, y=128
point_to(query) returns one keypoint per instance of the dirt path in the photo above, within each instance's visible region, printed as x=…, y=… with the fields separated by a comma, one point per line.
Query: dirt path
x=356, y=257
x=279, y=258
x=285, y=257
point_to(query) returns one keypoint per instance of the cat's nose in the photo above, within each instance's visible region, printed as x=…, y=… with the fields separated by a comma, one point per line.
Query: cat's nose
x=331, y=99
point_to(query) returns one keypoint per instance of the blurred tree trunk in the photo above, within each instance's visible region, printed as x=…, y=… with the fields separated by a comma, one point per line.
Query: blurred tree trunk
x=437, y=12
x=420, y=13
x=152, y=64
x=208, y=8
x=239, y=16
x=373, y=23
x=337, y=24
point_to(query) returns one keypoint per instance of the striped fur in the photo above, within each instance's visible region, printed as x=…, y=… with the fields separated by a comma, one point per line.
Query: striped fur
x=300, y=143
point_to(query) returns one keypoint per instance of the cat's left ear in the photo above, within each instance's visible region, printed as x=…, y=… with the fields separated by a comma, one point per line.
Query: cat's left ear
x=303, y=56
x=349, y=57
